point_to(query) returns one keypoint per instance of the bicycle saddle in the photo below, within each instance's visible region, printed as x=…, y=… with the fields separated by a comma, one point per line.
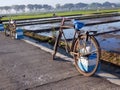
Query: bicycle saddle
x=77, y=24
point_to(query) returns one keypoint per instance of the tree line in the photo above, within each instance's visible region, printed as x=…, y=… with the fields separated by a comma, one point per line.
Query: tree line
x=58, y=7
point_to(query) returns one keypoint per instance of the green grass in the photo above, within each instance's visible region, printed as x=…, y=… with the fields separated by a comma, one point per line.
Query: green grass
x=28, y=16
x=67, y=13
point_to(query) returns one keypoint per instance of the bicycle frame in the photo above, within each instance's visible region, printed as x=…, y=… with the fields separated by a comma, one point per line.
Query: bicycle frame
x=77, y=34
x=68, y=48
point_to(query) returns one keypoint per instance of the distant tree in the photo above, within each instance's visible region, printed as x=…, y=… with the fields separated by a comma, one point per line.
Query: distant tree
x=114, y=5
x=7, y=8
x=57, y=6
x=1, y=8
x=37, y=6
x=107, y=5
x=30, y=7
x=96, y=5
x=68, y=6
x=22, y=7
x=118, y=5
x=81, y=5
x=16, y=8
x=47, y=7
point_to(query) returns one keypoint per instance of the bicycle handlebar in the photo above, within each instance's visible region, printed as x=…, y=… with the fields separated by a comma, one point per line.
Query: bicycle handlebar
x=76, y=23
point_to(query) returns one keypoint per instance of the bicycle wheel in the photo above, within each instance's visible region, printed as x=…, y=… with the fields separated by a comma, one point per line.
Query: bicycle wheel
x=87, y=55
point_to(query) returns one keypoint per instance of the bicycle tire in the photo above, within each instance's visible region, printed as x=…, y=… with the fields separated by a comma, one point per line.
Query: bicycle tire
x=80, y=57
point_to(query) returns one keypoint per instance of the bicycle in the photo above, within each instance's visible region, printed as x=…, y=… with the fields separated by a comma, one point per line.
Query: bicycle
x=12, y=29
x=84, y=48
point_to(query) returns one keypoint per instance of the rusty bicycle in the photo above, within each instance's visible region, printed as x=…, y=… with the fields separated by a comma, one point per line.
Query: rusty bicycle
x=11, y=27
x=84, y=47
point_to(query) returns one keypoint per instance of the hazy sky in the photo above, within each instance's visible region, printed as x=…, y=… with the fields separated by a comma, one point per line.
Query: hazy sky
x=50, y=2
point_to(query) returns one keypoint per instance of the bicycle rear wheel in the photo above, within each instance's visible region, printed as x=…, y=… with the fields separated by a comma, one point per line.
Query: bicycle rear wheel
x=87, y=55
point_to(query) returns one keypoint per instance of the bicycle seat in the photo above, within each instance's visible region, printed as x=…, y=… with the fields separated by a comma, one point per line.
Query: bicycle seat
x=77, y=24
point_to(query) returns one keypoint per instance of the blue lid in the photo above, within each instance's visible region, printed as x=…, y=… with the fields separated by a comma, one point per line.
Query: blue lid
x=78, y=25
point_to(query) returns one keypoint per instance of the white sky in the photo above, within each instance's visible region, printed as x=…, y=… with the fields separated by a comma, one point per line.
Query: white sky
x=50, y=2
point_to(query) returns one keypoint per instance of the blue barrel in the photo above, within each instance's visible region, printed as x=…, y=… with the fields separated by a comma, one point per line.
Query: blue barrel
x=1, y=27
x=19, y=34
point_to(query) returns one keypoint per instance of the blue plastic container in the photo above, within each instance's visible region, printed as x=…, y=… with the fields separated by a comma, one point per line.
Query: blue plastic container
x=1, y=27
x=19, y=34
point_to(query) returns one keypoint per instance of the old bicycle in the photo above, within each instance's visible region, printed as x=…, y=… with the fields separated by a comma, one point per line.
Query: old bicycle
x=11, y=27
x=84, y=47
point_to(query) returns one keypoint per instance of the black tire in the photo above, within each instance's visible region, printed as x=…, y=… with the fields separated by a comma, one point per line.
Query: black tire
x=86, y=51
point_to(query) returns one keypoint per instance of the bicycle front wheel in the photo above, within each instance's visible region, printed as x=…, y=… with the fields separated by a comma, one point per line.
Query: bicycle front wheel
x=87, y=55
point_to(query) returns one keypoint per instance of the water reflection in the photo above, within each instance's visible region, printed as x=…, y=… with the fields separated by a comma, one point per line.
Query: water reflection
x=40, y=27
x=109, y=42
x=99, y=28
x=50, y=25
x=103, y=27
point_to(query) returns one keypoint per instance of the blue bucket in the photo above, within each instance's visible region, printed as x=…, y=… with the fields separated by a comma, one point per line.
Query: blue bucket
x=19, y=34
x=1, y=27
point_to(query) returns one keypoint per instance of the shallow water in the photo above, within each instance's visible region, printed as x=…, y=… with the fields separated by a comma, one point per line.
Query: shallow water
x=99, y=28
x=90, y=20
x=51, y=25
x=109, y=41
x=40, y=26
